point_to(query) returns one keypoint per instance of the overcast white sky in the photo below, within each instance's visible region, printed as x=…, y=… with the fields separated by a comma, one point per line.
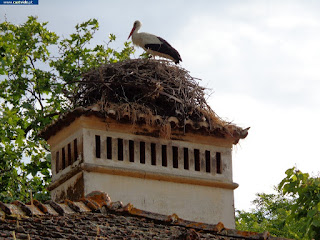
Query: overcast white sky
x=261, y=59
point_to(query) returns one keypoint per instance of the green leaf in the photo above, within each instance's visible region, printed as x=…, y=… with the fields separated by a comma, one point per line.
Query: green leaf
x=290, y=171
x=311, y=213
x=316, y=222
x=112, y=37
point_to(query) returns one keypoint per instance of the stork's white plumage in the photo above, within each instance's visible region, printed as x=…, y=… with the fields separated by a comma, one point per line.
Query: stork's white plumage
x=152, y=44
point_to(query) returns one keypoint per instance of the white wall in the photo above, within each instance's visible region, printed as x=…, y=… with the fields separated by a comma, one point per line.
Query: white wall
x=190, y=202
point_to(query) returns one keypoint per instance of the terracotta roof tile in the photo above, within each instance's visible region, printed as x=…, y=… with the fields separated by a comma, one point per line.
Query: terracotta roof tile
x=110, y=221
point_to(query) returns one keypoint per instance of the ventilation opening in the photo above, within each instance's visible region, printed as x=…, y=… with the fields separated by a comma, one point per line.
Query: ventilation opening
x=164, y=155
x=98, y=146
x=109, y=148
x=186, y=158
x=218, y=159
x=196, y=160
x=131, y=151
x=69, y=154
x=57, y=161
x=63, y=158
x=142, y=152
x=153, y=154
x=75, y=150
x=175, y=157
x=208, y=165
x=120, y=149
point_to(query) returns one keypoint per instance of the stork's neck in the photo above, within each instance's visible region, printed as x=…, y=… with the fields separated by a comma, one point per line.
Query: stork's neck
x=136, y=30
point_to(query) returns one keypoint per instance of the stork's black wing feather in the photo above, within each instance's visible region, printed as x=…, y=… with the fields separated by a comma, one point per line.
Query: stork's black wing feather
x=165, y=48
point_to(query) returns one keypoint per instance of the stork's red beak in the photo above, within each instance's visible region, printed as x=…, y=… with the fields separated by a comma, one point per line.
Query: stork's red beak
x=131, y=32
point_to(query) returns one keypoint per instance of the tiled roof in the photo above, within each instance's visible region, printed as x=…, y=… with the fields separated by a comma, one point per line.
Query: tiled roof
x=96, y=217
x=115, y=111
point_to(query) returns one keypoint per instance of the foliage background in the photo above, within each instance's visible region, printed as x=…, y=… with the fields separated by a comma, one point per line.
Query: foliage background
x=38, y=70
x=293, y=212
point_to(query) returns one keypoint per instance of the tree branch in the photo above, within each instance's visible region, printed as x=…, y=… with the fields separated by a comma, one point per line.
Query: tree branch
x=37, y=84
x=31, y=125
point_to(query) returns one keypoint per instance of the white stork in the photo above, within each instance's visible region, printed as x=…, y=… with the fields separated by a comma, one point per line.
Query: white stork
x=152, y=44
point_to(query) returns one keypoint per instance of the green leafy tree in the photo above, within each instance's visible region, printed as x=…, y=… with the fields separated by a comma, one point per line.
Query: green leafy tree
x=270, y=214
x=293, y=212
x=306, y=207
x=38, y=70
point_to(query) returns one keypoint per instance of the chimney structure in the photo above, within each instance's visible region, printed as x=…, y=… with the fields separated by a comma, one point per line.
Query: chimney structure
x=159, y=153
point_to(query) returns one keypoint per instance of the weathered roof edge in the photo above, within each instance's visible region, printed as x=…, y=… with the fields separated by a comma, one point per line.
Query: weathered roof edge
x=217, y=130
x=99, y=202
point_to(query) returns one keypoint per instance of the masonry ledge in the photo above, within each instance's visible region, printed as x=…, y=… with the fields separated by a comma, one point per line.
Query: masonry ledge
x=112, y=170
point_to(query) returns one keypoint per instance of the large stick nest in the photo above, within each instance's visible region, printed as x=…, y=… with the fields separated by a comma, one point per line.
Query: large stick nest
x=149, y=86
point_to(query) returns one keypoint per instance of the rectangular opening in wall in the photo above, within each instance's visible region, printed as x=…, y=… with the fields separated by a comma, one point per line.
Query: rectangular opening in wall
x=63, y=158
x=218, y=163
x=131, y=151
x=208, y=165
x=69, y=154
x=186, y=158
x=109, y=148
x=57, y=161
x=164, y=155
x=142, y=152
x=196, y=160
x=98, y=146
x=175, y=157
x=75, y=150
x=120, y=149
x=153, y=154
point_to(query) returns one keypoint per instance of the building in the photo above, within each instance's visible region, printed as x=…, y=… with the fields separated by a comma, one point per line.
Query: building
x=166, y=153
x=95, y=216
